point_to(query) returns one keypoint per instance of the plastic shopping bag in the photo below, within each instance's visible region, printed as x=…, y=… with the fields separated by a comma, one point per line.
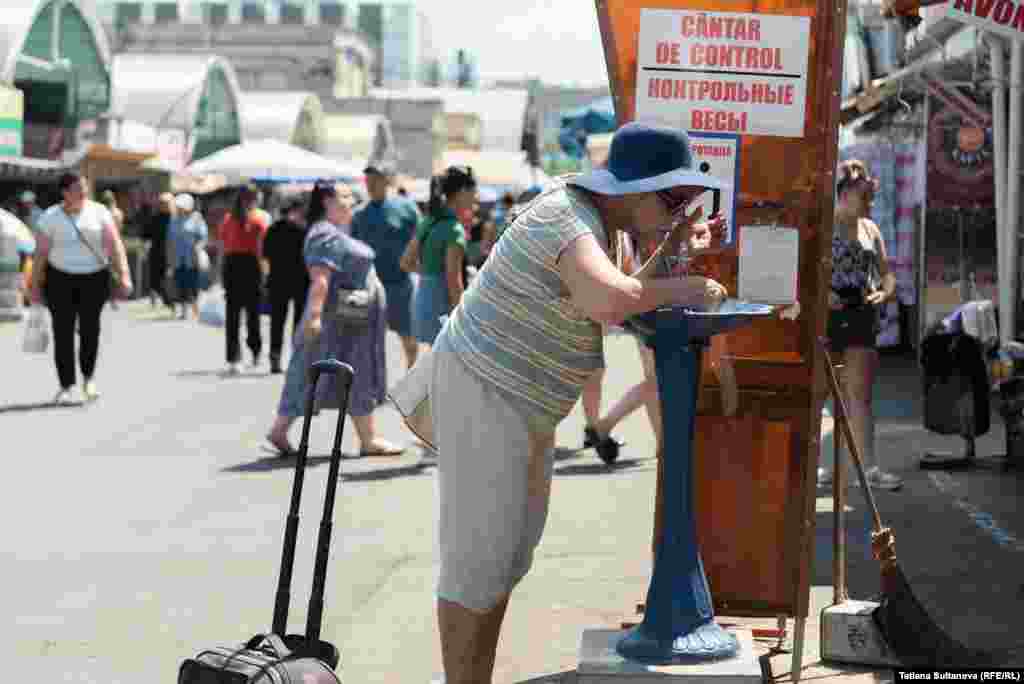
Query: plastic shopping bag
x=37, y=331
x=411, y=396
x=213, y=308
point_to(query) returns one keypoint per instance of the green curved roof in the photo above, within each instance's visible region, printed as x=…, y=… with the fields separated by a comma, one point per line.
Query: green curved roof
x=33, y=51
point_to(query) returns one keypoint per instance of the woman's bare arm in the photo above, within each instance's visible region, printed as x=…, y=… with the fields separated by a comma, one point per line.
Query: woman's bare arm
x=454, y=258
x=606, y=295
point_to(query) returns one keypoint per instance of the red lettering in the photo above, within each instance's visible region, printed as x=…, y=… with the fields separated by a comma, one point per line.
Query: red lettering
x=697, y=120
x=757, y=93
x=697, y=55
x=661, y=53
x=680, y=90
x=705, y=89
x=666, y=88
x=653, y=87
x=983, y=8
x=1018, y=18
x=721, y=121
x=964, y=5
x=752, y=54
x=687, y=28
x=755, y=30
x=716, y=90
x=788, y=98
x=1003, y=12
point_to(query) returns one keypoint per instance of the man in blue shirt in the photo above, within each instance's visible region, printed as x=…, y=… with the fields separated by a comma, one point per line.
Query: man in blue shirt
x=387, y=224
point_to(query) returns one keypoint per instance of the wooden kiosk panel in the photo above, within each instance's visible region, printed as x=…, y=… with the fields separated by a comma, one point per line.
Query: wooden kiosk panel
x=754, y=472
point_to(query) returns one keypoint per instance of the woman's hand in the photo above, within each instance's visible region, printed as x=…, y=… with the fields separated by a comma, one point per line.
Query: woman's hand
x=710, y=293
x=312, y=329
x=125, y=289
x=877, y=297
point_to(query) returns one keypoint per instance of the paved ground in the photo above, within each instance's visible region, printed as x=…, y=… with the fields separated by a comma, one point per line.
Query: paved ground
x=148, y=525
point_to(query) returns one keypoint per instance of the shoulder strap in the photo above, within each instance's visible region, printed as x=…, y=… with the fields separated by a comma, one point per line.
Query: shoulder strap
x=78, y=231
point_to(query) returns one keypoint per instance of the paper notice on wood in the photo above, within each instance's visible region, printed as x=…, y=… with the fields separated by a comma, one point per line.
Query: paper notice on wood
x=769, y=263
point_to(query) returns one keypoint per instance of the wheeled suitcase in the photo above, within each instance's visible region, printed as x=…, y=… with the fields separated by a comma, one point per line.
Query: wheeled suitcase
x=279, y=658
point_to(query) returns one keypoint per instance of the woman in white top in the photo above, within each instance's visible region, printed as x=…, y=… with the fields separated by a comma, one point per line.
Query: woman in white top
x=79, y=243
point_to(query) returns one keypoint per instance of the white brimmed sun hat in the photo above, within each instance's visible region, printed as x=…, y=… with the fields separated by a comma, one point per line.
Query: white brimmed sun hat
x=647, y=158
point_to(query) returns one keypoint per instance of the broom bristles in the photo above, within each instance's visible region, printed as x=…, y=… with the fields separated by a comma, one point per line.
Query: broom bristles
x=912, y=634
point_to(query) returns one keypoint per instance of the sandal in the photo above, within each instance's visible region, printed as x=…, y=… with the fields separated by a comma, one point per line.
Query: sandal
x=607, y=447
x=281, y=446
x=389, y=450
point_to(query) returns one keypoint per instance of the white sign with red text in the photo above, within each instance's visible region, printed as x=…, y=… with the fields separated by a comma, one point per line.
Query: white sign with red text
x=718, y=155
x=1002, y=16
x=723, y=72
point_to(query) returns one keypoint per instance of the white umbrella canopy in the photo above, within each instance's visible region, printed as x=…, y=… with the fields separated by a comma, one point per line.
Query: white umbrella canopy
x=271, y=161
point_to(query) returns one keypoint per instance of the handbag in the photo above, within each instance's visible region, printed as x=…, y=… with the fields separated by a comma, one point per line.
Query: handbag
x=352, y=309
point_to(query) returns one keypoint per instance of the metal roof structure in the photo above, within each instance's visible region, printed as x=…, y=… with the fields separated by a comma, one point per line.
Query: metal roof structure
x=17, y=18
x=197, y=94
x=296, y=118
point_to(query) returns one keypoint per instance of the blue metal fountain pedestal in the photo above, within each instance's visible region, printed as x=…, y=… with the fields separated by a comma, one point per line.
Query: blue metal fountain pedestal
x=678, y=625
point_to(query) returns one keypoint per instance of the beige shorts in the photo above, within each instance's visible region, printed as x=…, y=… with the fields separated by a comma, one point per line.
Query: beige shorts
x=494, y=484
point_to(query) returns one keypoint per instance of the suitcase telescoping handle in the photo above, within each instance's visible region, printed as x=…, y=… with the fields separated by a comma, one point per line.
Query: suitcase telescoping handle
x=344, y=375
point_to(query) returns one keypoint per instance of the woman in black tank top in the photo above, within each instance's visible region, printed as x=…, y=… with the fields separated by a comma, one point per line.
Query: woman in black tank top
x=861, y=283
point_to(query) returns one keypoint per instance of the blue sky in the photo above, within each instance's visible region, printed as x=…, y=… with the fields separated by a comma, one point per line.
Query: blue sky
x=555, y=40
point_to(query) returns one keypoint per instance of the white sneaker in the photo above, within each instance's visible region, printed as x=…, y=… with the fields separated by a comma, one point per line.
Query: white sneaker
x=65, y=397
x=234, y=368
x=880, y=479
x=91, y=393
x=428, y=457
x=824, y=477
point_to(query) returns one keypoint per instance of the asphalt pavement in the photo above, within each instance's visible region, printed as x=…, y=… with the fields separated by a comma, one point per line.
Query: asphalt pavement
x=148, y=525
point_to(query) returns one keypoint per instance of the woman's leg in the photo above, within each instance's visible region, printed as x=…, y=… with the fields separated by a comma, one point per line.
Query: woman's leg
x=232, y=310
x=370, y=441
x=63, y=310
x=279, y=297
x=858, y=383
x=591, y=399
x=94, y=293
x=251, y=303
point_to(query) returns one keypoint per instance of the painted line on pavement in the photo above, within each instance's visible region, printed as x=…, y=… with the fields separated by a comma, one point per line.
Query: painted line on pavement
x=945, y=483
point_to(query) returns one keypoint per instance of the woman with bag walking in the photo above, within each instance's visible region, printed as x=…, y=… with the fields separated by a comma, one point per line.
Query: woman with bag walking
x=186, y=240
x=345, y=319
x=438, y=252
x=79, y=253
x=241, y=234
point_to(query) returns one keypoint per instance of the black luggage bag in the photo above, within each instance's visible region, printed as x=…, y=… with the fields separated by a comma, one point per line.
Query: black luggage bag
x=279, y=658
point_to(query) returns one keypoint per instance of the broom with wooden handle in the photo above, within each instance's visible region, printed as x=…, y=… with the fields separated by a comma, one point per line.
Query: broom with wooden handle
x=904, y=623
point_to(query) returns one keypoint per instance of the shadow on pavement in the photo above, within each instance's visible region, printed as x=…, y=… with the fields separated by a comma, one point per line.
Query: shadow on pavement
x=565, y=453
x=38, y=406
x=567, y=677
x=599, y=468
x=221, y=373
x=385, y=473
x=269, y=463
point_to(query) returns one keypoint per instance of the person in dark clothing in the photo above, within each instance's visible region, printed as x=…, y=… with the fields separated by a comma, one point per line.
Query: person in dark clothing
x=156, y=230
x=288, y=281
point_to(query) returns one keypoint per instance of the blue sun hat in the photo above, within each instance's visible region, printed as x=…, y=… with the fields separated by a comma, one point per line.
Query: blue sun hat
x=647, y=158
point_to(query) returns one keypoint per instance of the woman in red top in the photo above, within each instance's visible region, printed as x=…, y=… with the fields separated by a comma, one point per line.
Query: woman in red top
x=241, y=235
